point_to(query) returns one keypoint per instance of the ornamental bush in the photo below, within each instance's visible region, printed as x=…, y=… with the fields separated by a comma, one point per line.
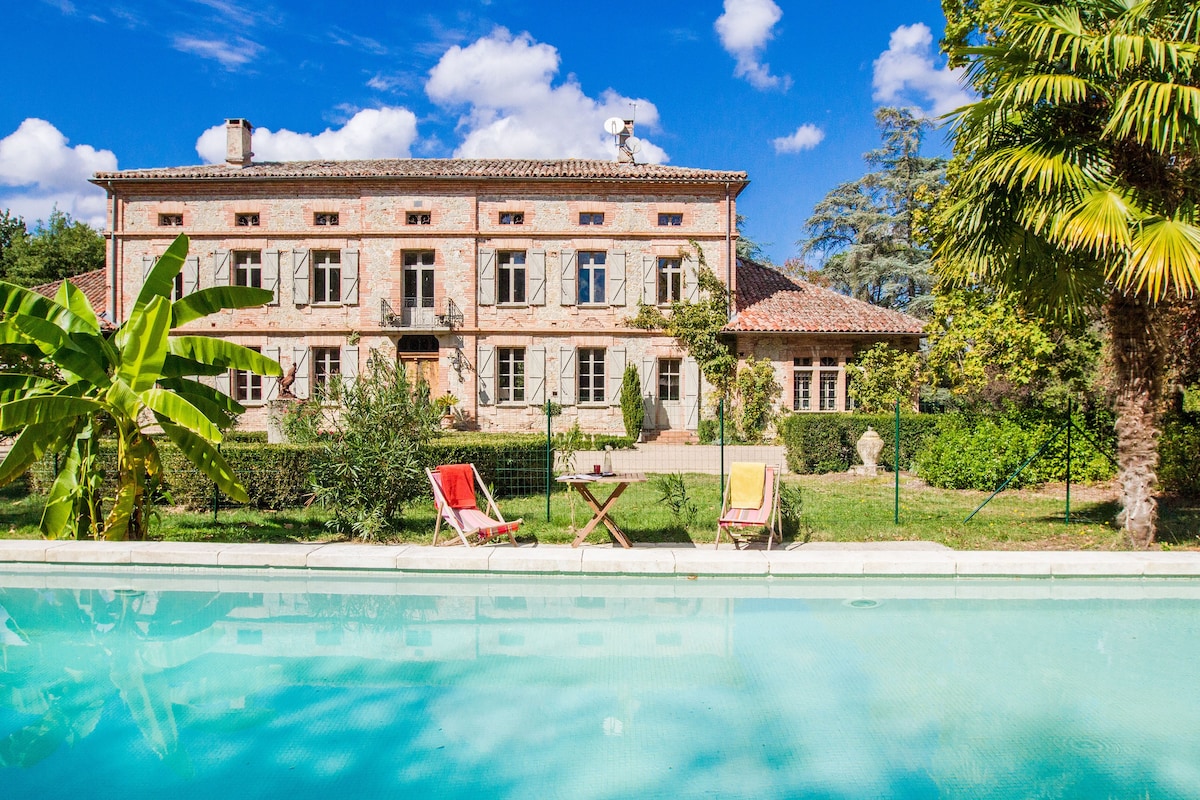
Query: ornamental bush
x=819, y=443
x=633, y=410
x=1179, y=453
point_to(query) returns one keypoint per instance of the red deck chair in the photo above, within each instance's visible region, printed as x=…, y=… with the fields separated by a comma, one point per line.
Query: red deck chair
x=454, y=487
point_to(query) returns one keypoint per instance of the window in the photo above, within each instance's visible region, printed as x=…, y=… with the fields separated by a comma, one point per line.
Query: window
x=247, y=387
x=670, y=280
x=510, y=277
x=674, y=220
x=591, y=218
x=177, y=287
x=170, y=220
x=829, y=380
x=802, y=384
x=246, y=220
x=668, y=378
x=591, y=278
x=418, y=279
x=591, y=374
x=418, y=218
x=327, y=362
x=247, y=268
x=327, y=276
x=325, y=218
x=512, y=217
x=510, y=374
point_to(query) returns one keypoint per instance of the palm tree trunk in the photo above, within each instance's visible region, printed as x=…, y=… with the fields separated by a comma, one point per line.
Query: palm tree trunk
x=1137, y=359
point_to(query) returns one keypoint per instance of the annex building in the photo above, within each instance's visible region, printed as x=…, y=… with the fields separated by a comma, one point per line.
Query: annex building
x=504, y=282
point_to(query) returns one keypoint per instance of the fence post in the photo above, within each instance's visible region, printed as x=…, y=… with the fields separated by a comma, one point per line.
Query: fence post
x=721, y=439
x=1070, y=425
x=549, y=456
x=896, y=467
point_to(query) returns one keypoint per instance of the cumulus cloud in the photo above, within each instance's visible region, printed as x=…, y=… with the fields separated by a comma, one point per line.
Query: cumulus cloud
x=806, y=137
x=907, y=68
x=745, y=28
x=371, y=133
x=39, y=170
x=231, y=54
x=516, y=111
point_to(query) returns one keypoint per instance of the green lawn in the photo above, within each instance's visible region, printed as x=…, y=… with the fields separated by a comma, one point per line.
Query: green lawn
x=836, y=508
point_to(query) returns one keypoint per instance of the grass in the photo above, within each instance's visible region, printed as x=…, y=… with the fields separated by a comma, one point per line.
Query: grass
x=837, y=508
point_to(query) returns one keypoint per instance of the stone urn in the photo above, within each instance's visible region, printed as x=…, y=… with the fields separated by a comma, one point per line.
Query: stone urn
x=870, y=444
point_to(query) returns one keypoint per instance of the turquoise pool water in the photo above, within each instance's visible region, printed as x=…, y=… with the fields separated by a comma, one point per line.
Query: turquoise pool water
x=176, y=685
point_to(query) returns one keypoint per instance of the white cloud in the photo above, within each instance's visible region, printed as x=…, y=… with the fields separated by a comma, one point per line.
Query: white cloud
x=516, y=111
x=42, y=171
x=907, y=68
x=231, y=54
x=371, y=133
x=745, y=28
x=806, y=137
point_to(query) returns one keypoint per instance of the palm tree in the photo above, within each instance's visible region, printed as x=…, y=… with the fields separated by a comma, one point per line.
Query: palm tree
x=120, y=383
x=1079, y=185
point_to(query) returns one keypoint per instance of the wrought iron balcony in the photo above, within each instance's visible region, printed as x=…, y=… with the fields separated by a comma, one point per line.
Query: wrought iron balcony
x=414, y=317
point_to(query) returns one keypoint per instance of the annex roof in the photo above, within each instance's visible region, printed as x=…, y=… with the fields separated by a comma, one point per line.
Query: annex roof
x=768, y=300
x=94, y=286
x=437, y=169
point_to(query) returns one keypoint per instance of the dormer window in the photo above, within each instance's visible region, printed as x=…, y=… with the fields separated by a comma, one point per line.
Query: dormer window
x=246, y=220
x=512, y=217
x=418, y=218
x=670, y=219
x=325, y=218
x=591, y=218
x=170, y=220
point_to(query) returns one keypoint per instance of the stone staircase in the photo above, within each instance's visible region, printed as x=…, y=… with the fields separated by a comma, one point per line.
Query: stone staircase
x=670, y=437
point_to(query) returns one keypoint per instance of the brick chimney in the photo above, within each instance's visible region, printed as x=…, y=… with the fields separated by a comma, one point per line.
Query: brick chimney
x=624, y=153
x=237, y=143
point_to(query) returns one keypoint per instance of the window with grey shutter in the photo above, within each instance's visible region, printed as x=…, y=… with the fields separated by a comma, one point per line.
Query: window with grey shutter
x=649, y=281
x=616, y=279
x=221, y=268
x=350, y=277
x=349, y=365
x=271, y=390
x=300, y=292
x=485, y=375
x=270, y=275
x=300, y=360
x=691, y=280
x=566, y=376
x=567, y=283
x=191, y=274
x=487, y=277
x=535, y=376
x=537, y=277
x=616, y=374
x=147, y=265
x=222, y=383
x=649, y=403
x=691, y=394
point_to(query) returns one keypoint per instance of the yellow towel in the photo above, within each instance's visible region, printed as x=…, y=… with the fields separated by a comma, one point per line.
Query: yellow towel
x=746, y=481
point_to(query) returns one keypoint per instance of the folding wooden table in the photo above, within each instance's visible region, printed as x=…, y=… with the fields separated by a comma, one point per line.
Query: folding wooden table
x=602, y=510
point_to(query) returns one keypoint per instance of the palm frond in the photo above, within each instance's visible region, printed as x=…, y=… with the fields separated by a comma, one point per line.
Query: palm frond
x=1165, y=116
x=1164, y=257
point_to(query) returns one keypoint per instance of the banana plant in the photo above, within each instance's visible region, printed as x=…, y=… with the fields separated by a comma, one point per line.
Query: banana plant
x=123, y=384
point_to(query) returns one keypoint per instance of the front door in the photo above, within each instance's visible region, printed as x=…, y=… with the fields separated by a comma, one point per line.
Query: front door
x=670, y=394
x=421, y=368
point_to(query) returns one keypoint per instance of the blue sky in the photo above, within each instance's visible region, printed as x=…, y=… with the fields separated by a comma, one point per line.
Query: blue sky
x=783, y=90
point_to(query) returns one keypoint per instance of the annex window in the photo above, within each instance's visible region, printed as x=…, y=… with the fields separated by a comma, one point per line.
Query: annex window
x=247, y=268
x=246, y=219
x=670, y=280
x=510, y=276
x=591, y=375
x=326, y=218
x=669, y=370
x=326, y=362
x=418, y=279
x=510, y=374
x=327, y=276
x=672, y=220
x=829, y=381
x=418, y=218
x=802, y=384
x=591, y=277
x=247, y=387
x=512, y=217
x=591, y=217
x=170, y=220
x=177, y=287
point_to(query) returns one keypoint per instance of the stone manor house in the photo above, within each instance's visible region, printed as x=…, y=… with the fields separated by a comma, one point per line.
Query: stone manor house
x=504, y=282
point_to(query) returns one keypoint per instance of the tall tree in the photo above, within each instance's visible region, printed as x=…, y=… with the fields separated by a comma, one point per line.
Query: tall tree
x=1080, y=186
x=12, y=236
x=57, y=248
x=873, y=232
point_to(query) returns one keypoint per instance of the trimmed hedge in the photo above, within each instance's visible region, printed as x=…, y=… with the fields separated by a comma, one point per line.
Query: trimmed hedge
x=818, y=443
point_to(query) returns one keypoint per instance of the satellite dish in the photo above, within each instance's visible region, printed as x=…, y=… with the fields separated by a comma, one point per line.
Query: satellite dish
x=614, y=125
x=633, y=144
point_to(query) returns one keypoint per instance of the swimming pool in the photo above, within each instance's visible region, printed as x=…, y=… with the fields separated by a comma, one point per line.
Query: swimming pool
x=220, y=683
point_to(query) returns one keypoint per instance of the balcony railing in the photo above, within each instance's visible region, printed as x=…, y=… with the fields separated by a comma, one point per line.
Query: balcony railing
x=414, y=317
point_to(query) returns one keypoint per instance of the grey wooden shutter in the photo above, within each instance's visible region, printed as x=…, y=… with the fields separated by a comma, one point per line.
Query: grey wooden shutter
x=537, y=278
x=568, y=293
x=691, y=394
x=350, y=277
x=147, y=265
x=300, y=359
x=485, y=375
x=270, y=275
x=535, y=375
x=616, y=374
x=223, y=383
x=191, y=274
x=616, y=279
x=350, y=364
x=487, y=277
x=221, y=268
x=649, y=405
x=271, y=385
x=300, y=294
x=649, y=281
x=566, y=376
x=691, y=280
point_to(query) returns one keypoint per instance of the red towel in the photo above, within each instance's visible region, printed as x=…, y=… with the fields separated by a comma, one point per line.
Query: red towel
x=458, y=485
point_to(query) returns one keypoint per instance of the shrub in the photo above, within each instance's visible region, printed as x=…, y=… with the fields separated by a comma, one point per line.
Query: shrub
x=882, y=376
x=757, y=391
x=633, y=411
x=275, y=476
x=1179, y=453
x=673, y=493
x=818, y=443
x=707, y=431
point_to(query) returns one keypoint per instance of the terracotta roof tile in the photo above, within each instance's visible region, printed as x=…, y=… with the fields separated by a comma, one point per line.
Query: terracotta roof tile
x=768, y=300
x=434, y=168
x=94, y=286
